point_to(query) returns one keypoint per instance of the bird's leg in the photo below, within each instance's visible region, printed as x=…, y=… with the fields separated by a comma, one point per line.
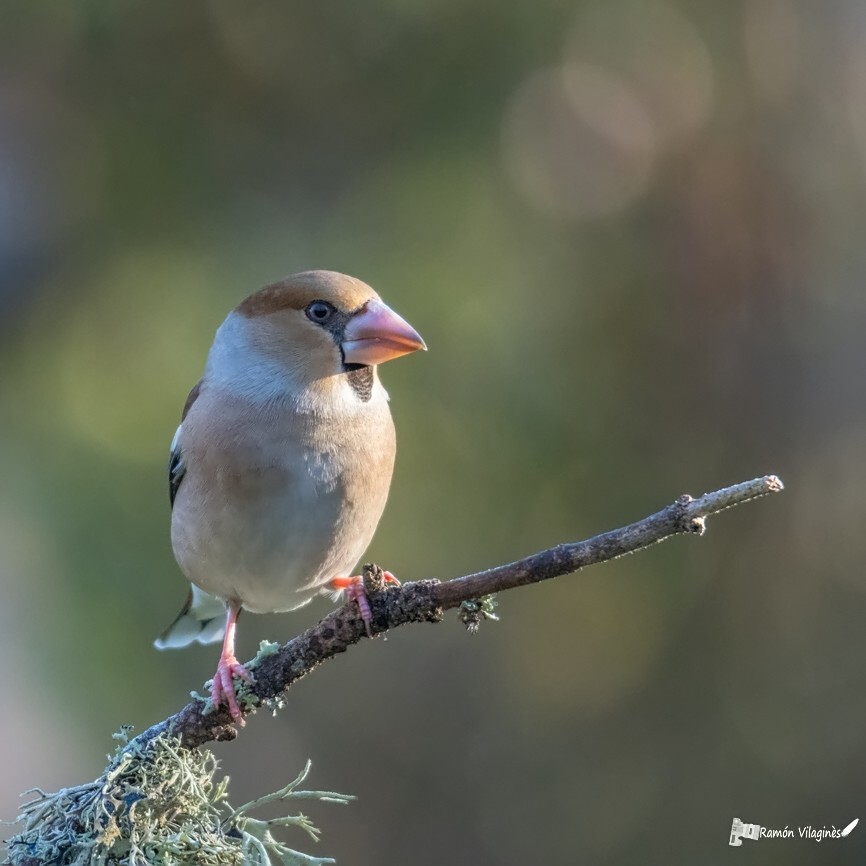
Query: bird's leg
x=354, y=587
x=223, y=688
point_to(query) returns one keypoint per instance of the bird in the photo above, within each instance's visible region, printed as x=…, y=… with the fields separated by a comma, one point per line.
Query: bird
x=282, y=463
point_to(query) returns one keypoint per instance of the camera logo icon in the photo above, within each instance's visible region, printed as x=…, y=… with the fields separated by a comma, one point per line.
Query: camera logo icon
x=740, y=831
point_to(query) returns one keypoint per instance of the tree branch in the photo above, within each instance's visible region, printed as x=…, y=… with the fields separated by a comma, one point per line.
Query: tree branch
x=425, y=601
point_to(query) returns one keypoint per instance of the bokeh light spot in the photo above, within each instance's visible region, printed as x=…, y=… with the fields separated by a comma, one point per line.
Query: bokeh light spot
x=577, y=142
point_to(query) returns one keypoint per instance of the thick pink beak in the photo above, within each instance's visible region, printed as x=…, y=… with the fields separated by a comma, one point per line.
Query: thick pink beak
x=376, y=334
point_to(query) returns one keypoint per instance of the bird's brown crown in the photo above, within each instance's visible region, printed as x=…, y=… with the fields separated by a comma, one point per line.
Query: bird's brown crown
x=296, y=291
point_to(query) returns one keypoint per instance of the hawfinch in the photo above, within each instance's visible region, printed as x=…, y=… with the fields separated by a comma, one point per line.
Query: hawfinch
x=281, y=466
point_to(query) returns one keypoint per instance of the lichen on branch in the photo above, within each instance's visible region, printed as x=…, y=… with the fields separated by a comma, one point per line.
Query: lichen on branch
x=159, y=806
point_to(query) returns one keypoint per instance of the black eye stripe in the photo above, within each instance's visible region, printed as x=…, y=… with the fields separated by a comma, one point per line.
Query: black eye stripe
x=328, y=317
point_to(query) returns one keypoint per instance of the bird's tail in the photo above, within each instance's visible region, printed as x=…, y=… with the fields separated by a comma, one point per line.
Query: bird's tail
x=202, y=620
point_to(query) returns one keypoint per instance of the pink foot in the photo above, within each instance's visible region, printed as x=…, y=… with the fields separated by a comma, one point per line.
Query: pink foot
x=223, y=688
x=354, y=587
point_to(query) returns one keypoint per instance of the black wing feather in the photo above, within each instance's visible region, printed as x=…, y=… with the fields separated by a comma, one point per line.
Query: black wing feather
x=176, y=472
x=176, y=464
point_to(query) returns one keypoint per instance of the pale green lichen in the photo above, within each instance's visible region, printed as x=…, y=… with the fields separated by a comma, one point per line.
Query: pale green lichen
x=248, y=700
x=266, y=648
x=275, y=704
x=159, y=807
x=473, y=611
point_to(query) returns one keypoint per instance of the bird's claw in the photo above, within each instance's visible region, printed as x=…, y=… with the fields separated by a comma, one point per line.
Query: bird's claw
x=223, y=687
x=354, y=588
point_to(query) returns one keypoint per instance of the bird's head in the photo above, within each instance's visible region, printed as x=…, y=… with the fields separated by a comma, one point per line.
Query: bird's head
x=309, y=327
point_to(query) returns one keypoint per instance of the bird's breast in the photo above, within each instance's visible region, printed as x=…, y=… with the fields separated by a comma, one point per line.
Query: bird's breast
x=269, y=512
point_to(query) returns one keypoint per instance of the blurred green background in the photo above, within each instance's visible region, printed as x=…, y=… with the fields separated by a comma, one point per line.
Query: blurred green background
x=632, y=234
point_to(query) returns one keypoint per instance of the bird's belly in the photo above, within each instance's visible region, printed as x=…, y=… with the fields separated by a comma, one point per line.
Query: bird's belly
x=272, y=547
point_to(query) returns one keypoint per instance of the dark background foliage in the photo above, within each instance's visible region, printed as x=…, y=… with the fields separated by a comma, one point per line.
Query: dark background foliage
x=632, y=236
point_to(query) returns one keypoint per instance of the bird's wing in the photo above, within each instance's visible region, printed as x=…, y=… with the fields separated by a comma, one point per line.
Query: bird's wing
x=176, y=467
x=176, y=463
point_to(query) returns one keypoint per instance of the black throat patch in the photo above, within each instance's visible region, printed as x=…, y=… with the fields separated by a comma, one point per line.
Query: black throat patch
x=361, y=379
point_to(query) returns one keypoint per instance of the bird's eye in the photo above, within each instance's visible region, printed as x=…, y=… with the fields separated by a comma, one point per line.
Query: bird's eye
x=320, y=312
